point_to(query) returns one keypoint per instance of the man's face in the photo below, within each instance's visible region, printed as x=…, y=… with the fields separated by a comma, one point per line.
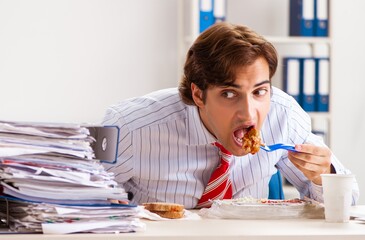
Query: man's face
x=229, y=111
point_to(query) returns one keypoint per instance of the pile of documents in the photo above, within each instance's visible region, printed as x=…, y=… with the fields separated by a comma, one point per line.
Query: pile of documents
x=47, y=218
x=49, y=177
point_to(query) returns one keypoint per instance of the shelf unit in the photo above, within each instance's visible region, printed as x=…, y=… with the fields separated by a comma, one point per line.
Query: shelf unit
x=314, y=47
x=298, y=40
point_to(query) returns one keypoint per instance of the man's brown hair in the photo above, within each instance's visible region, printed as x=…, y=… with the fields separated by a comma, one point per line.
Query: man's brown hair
x=218, y=52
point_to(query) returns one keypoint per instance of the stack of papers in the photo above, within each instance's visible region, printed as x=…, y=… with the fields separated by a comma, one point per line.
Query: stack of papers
x=62, y=219
x=29, y=138
x=45, y=166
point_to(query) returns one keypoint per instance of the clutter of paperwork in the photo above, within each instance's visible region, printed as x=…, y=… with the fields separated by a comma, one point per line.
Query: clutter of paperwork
x=52, y=183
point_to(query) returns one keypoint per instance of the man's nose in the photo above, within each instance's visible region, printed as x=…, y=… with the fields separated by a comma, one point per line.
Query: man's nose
x=246, y=109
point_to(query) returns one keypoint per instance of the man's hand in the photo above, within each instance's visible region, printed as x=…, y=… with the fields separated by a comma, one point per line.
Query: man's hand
x=312, y=161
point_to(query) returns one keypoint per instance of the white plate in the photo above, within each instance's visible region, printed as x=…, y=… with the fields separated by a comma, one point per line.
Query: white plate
x=249, y=208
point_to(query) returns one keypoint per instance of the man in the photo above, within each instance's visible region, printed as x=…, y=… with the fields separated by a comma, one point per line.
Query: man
x=166, y=150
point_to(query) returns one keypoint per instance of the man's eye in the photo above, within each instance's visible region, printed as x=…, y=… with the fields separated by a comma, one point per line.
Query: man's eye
x=228, y=94
x=261, y=92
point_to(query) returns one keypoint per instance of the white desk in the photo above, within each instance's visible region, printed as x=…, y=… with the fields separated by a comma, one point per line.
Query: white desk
x=214, y=229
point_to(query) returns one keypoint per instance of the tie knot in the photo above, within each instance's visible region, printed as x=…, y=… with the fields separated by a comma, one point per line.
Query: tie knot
x=222, y=149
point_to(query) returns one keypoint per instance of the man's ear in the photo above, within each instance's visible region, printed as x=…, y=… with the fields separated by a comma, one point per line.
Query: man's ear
x=197, y=95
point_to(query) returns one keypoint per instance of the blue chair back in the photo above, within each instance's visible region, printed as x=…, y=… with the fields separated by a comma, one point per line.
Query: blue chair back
x=276, y=187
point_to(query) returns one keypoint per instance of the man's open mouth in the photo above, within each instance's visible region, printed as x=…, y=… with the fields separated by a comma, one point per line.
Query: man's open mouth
x=239, y=133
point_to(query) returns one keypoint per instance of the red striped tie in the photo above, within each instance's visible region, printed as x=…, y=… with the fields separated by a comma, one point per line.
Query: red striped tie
x=219, y=185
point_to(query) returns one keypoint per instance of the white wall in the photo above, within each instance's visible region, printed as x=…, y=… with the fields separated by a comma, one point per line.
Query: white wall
x=348, y=86
x=67, y=60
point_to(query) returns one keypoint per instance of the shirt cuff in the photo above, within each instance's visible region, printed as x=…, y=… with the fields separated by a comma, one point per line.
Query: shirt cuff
x=316, y=192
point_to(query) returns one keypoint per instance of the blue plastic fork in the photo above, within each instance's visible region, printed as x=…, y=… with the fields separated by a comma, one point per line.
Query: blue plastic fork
x=270, y=148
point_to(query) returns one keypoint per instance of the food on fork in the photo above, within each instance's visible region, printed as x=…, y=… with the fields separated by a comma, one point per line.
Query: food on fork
x=165, y=210
x=251, y=141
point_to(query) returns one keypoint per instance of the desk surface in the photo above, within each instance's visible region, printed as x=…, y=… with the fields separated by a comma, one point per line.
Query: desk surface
x=214, y=229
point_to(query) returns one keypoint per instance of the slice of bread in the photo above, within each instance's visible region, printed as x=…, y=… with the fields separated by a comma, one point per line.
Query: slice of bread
x=162, y=206
x=166, y=210
x=171, y=215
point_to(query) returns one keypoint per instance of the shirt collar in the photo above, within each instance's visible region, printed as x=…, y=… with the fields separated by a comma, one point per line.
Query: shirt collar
x=197, y=133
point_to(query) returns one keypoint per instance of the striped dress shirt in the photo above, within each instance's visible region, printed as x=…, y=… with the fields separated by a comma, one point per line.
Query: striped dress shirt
x=166, y=154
